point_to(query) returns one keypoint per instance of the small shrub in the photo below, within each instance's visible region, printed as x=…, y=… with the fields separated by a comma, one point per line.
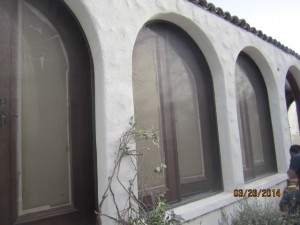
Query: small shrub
x=160, y=216
x=257, y=214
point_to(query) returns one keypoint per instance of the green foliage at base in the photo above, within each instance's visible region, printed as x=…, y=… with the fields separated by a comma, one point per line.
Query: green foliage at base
x=257, y=213
x=159, y=216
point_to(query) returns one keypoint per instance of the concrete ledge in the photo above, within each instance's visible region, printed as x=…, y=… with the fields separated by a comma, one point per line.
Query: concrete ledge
x=201, y=207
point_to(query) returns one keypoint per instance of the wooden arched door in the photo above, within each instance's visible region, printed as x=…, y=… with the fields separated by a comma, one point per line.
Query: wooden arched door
x=46, y=116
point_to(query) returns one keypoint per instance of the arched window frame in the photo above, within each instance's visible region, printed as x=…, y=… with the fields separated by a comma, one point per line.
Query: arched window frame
x=177, y=189
x=292, y=95
x=255, y=126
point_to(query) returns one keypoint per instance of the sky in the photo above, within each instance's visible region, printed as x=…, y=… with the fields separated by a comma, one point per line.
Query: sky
x=276, y=18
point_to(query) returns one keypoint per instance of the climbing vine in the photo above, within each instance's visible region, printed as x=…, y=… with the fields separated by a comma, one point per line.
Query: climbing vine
x=135, y=212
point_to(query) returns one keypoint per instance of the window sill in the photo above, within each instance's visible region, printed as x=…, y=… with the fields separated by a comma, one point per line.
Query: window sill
x=198, y=208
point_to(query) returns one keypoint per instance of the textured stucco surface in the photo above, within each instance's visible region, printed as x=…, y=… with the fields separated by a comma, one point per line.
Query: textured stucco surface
x=111, y=28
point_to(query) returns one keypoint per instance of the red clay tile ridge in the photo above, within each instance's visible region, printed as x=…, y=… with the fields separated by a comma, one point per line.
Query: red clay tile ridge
x=242, y=24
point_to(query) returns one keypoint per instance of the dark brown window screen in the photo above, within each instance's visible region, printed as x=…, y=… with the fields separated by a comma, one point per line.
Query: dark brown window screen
x=173, y=92
x=254, y=119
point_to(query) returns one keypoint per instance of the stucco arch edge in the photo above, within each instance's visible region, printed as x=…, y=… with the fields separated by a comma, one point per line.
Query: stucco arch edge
x=264, y=66
x=89, y=27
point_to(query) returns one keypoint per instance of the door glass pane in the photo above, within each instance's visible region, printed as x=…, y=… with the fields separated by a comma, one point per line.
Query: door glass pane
x=146, y=110
x=45, y=157
x=186, y=112
x=249, y=122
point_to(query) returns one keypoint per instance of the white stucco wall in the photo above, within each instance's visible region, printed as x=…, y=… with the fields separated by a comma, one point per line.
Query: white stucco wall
x=111, y=28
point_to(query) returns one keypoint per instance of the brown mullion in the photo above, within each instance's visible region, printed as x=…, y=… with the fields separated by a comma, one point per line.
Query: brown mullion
x=168, y=130
x=7, y=22
x=14, y=113
x=248, y=144
x=207, y=114
x=266, y=131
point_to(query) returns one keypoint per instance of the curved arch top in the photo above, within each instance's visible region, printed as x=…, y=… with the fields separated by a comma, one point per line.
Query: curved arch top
x=198, y=35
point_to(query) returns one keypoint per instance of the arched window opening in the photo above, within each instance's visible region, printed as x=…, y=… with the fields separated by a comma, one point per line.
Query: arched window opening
x=292, y=96
x=173, y=91
x=255, y=129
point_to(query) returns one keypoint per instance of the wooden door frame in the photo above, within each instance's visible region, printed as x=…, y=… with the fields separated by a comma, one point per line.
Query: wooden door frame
x=8, y=73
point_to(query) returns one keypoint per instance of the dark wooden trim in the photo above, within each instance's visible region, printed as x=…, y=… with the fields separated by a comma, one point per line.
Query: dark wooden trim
x=7, y=71
x=151, y=190
x=192, y=179
x=59, y=211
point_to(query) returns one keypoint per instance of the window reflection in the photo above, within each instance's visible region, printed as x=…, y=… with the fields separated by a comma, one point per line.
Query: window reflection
x=294, y=124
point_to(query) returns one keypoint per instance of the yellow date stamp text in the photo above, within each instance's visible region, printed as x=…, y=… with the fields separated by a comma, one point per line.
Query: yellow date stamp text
x=265, y=193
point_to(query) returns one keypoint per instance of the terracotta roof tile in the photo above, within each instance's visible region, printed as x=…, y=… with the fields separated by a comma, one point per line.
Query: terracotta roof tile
x=242, y=24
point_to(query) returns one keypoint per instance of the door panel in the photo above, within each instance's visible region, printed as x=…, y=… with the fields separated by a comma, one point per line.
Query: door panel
x=47, y=138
